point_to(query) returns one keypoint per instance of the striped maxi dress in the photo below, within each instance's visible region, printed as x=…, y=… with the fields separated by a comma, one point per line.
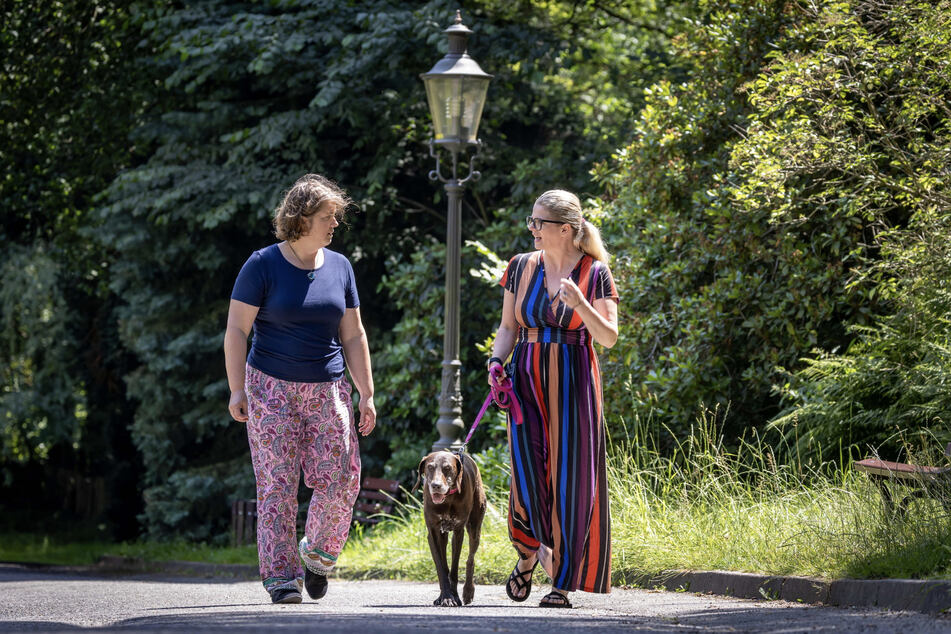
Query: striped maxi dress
x=558, y=492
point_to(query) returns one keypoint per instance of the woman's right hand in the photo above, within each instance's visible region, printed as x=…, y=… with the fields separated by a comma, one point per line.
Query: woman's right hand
x=238, y=406
x=493, y=373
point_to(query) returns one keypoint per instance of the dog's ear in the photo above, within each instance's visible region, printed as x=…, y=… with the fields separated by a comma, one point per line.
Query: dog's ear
x=419, y=473
x=460, y=474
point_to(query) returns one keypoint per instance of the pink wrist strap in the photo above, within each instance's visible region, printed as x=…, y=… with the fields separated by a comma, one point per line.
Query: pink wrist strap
x=503, y=395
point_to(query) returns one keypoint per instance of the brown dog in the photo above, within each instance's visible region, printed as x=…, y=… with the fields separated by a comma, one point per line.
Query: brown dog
x=453, y=500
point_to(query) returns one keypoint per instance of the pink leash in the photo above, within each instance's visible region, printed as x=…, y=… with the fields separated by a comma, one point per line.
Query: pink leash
x=504, y=396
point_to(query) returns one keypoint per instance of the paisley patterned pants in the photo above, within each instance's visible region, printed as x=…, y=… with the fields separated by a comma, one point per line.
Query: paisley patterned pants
x=294, y=427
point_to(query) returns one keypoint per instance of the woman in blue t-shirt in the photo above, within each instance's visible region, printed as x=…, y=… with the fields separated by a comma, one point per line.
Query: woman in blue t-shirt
x=301, y=301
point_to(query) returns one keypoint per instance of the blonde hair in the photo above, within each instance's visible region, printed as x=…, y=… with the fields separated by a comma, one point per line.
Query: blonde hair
x=565, y=207
x=303, y=200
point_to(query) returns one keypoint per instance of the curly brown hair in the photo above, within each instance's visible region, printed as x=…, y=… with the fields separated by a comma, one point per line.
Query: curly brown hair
x=303, y=200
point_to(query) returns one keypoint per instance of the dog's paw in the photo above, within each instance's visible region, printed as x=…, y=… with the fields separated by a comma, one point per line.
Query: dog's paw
x=448, y=600
x=467, y=593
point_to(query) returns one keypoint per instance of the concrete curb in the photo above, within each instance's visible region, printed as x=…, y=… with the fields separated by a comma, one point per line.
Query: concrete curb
x=913, y=595
x=111, y=564
x=928, y=596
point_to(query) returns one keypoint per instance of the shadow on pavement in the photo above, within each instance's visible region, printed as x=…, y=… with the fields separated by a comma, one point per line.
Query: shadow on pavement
x=325, y=623
x=469, y=620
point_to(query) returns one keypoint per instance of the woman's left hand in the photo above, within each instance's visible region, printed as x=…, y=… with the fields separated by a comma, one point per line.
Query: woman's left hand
x=570, y=294
x=367, y=415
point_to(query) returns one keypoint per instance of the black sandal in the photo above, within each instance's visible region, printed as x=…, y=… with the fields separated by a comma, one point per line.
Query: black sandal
x=554, y=599
x=518, y=580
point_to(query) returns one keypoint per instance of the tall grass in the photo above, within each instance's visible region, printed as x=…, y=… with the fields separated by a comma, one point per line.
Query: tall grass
x=702, y=506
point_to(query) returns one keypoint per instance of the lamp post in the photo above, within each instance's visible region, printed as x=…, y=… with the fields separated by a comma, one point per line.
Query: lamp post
x=455, y=89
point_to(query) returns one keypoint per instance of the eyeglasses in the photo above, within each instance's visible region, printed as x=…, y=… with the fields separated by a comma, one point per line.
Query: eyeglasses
x=536, y=223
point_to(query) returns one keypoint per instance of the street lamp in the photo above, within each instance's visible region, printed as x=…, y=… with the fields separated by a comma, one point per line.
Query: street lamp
x=455, y=88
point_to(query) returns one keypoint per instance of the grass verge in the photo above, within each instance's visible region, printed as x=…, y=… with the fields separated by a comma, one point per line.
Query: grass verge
x=700, y=507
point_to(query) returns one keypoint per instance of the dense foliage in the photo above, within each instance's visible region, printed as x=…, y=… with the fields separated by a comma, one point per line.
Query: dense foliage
x=873, y=107
x=69, y=94
x=752, y=199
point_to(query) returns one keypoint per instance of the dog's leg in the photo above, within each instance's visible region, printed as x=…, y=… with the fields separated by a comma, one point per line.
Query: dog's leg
x=457, y=536
x=475, y=531
x=437, y=547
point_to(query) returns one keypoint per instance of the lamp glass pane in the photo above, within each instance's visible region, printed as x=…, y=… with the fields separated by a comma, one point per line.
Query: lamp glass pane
x=456, y=102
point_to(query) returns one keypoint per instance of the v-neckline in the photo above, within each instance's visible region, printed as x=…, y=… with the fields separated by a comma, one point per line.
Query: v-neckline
x=541, y=259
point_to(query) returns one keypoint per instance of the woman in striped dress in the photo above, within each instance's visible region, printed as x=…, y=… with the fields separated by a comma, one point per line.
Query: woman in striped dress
x=559, y=300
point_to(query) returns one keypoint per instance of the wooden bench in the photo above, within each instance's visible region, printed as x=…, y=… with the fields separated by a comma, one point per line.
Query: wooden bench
x=244, y=521
x=376, y=496
x=921, y=481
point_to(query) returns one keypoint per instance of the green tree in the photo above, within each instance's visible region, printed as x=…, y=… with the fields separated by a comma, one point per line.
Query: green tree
x=861, y=110
x=69, y=94
x=738, y=239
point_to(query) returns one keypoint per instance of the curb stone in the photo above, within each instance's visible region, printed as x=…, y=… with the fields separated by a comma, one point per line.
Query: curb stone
x=913, y=595
x=928, y=596
x=896, y=594
x=126, y=565
x=116, y=565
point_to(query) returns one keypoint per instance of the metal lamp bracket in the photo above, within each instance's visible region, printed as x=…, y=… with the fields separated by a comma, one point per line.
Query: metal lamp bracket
x=454, y=149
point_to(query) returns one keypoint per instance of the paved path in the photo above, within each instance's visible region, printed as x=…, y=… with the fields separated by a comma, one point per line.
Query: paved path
x=57, y=601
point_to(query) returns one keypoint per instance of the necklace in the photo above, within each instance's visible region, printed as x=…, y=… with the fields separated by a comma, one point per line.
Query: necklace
x=566, y=275
x=312, y=273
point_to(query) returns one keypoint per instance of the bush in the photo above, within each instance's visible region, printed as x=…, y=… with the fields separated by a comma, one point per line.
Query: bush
x=751, y=206
x=883, y=148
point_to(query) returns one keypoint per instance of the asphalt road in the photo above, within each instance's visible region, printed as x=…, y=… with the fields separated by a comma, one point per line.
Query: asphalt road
x=58, y=601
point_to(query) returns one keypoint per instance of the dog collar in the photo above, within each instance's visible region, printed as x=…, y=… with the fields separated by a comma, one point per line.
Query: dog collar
x=453, y=491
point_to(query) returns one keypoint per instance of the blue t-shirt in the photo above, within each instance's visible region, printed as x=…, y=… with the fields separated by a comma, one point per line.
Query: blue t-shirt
x=296, y=329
